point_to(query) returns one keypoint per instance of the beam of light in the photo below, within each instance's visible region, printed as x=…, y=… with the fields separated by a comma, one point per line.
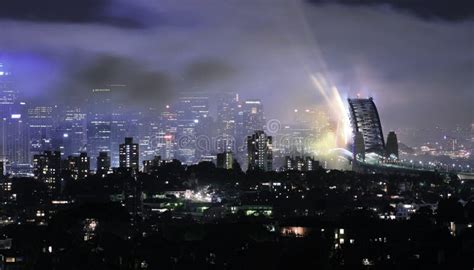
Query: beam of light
x=337, y=134
x=337, y=109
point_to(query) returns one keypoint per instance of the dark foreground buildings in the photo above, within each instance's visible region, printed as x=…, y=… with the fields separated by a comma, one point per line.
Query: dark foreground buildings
x=176, y=216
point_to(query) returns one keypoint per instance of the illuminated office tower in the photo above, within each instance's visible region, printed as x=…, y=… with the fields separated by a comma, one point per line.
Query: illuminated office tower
x=79, y=166
x=392, y=145
x=42, y=121
x=14, y=129
x=260, y=152
x=225, y=160
x=103, y=164
x=191, y=113
x=227, y=112
x=99, y=121
x=119, y=127
x=9, y=94
x=15, y=140
x=129, y=155
x=70, y=134
x=47, y=168
x=249, y=119
x=165, y=138
x=149, y=127
x=253, y=116
x=365, y=119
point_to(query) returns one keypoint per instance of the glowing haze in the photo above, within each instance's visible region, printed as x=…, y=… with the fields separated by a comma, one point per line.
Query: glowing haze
x=337, y=108
x=290, y=54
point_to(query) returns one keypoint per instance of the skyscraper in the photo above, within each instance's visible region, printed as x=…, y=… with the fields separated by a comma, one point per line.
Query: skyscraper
x=253, y=116
x=79, y=166
x=260, y=152
x=15, y=143
x=365, y=119
x=129, y=155
x=70, y=134
x=165, y=137
x=8, y=91
x=99, y=122
x=47, y=168
x=249, y=119
x=14, y=129
x=226, y=121
x=191, y=112
x=41, y=120
x=225, y=160
x=103, y=164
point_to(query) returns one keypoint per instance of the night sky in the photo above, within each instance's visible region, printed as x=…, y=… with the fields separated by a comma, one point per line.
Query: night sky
x=416, y=58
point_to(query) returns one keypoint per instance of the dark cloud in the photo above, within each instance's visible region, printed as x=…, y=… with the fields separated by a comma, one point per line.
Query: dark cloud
x=139, y=84
x=82, y=11
x=452, y=10
x=260, y=50
x=208, y=70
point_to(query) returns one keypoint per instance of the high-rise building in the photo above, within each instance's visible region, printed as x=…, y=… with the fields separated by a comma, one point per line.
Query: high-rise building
x=253, y=116
x=103, y=164
x=392, y=145
x=14, y=140
x=99, y=122
x=260, y=152
x=165, y=137
x=227, y=111
x=42, y=122
x=47, y=168
x=225, y=160
x=2, y=169
x=129, y=155
x=79, y=166
x=14, y=129
x=9, y=94
x=365, y=119
x=249, y=119
x=70, y=134
x=191, y=111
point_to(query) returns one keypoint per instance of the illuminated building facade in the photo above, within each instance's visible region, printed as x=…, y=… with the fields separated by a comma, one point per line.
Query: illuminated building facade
x=253, y=118
x=13, y=127
x=129, y=155
x=79, y=166
x=103, y=164
x=191, y=111
x=227, y=111
x=300, y=163
x=99, y=122
x=225, y=160
x=47, y=168
x=260, y=151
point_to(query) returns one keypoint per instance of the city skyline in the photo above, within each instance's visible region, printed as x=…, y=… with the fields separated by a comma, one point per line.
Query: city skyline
x=236, y=134
x=159, y=50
